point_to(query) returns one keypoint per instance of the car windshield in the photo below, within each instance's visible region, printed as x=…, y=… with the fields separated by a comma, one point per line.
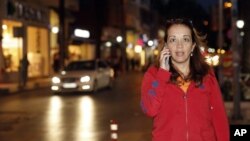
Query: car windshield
x=80, y=65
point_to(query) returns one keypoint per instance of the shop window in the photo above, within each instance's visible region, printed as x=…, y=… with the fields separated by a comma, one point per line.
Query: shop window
x=12, y=46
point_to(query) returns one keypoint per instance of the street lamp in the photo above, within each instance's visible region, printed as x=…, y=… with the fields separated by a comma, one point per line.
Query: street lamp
x=240, y=24
x=119, y=39
x=150, y=43
x=55, y=29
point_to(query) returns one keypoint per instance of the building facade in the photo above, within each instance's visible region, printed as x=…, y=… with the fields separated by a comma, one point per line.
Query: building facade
x=137, y=23
x=25, y=33
x=29, y=30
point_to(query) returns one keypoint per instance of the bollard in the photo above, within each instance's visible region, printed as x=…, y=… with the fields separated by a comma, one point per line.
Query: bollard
x=113, y=129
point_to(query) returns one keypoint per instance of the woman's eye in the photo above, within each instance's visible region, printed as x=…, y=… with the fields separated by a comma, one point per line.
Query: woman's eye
x=172, y=40
x=186, y=39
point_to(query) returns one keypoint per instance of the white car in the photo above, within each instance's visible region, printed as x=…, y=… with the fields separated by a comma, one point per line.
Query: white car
x=82, y=76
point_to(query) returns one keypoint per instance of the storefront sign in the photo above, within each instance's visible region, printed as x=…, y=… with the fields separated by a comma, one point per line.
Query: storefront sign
x=22, y=11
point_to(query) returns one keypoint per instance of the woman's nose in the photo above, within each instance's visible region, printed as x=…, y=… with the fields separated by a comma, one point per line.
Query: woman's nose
x=179, y=43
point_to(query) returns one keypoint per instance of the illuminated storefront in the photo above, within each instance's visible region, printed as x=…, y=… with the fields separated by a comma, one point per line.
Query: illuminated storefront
x=12, y=46
x=24, y=32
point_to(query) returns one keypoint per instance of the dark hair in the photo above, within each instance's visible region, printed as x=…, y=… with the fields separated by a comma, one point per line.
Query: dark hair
x=198, y=67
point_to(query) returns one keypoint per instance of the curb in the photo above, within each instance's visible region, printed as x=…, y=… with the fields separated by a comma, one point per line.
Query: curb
x=14, y=88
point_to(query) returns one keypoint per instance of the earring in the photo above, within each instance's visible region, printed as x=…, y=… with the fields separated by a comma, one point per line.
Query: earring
x=191, y=54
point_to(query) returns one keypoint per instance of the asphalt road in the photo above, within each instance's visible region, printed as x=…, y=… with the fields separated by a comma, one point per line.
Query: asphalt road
x=38, y=115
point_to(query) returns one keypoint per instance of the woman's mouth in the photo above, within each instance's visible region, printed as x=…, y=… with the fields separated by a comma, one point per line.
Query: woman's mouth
x=179, y=54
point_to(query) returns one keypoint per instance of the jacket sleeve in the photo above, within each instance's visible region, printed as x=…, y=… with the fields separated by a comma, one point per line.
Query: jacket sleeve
x=219, y=116
x=152, y=90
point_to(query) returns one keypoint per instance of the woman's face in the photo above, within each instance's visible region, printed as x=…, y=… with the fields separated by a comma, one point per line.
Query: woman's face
x=179, y=42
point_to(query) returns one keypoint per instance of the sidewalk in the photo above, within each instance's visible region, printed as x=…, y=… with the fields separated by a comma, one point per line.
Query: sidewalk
x=245, y=112
x=7, y=88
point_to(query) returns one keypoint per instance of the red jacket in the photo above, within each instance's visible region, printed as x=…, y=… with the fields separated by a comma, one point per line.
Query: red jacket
x=197, y=115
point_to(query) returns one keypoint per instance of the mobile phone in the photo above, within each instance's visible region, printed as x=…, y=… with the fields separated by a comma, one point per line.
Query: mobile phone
x=167, y=61
x=167, y=58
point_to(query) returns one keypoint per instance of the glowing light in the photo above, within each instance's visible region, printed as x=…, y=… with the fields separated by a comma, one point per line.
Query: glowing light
x=150, y=43
x=54, y=88
x=56, y=80
x=119, y=39
x=140, y=42
x=81, y=33
x=54, y=120
x=240, y=24
x=144, y=37
x=156, y=52
x=86, y=87
x=242, y=33
x=63, y=72
x=85, y=119
x=130, y=45
x=10, y=42
x=221, y=51
x=55, y=30
x=228, y=5
x=108, y=44
x=85, y=79
x=138, y=49
x=213, y=60
x=211, y=50
x=161, y=33
x=4, y=27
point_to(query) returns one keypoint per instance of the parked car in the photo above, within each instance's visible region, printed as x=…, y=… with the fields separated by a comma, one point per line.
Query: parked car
x=88, y=75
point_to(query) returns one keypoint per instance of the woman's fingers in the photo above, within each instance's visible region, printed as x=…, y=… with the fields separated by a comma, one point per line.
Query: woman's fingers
x=164, y=56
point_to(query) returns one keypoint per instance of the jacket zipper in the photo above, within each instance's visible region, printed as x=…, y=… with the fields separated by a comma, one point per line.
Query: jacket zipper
x=185, y=97
x=186, y=116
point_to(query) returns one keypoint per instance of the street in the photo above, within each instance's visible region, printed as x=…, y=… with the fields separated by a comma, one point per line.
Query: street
x=40, y=39
x=41, y=116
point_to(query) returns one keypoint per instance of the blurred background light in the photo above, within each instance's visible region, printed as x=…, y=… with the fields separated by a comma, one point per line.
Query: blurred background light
x=55, y=29
x=150, y=43
x=240, y=24
x=108, y=44
x=138, y=48
x=81, y=33
x=119, y=39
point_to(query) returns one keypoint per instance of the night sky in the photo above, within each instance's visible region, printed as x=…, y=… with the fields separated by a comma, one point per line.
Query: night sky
x=206, y=4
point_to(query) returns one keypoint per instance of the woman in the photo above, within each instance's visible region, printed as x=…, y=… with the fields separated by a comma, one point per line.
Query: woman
x=181, y=92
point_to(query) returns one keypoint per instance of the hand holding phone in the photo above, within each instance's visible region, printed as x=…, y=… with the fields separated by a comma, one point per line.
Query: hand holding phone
x=165, y=58
x=167, y=62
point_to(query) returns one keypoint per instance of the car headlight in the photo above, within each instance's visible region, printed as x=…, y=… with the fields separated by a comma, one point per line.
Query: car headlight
x=85, y=79
x=56, y=80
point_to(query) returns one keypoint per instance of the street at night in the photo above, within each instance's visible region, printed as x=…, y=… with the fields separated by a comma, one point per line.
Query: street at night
x=40, y=115
x=72, y=70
